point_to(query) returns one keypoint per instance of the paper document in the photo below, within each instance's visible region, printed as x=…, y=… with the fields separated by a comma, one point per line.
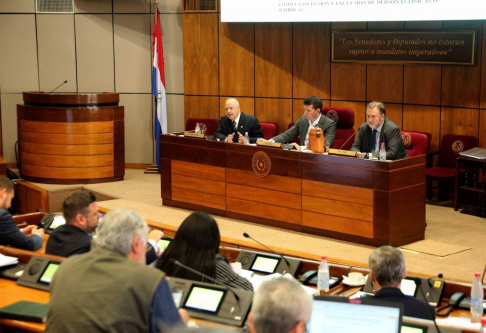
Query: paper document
x=7, y=261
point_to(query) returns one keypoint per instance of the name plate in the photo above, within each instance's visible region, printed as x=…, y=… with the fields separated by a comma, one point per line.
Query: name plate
x=269, y=144
x=194, y=135
x=434, y=47
x=342, y=152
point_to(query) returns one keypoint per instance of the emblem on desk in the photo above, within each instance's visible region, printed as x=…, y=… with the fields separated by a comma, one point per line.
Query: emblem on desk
x=457, y=146
x=332, y=114
x=261, y=164
x=407, y=139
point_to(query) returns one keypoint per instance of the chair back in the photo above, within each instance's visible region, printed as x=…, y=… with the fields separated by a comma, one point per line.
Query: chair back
x=269, y=130
x=211, y=124
x=452, y=145
x=344, y=118
x=415, y=143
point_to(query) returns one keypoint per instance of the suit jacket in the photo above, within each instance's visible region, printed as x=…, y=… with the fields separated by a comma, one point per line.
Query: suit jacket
x=245, y=124
x=11, y=235
x=67, y=240
x=412, y=307
x=390, y=135
x=300, y=128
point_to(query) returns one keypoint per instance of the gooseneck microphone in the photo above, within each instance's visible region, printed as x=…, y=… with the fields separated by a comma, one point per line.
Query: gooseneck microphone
x=279, y=254
x=176, y=262
x=344, y=144
x=429, y=310
x=58, y=87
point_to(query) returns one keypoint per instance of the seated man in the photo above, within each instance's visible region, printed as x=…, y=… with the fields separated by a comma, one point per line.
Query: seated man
x=109, y=289
x=312, y=117
x=235, y=124
x=28, y=238
x=81, y=214
x=379, y=129
x=280, y=305
x=387, y=269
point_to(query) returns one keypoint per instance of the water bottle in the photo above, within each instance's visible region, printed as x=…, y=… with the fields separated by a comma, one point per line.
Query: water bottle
x=198, y=129
x=382, y=152
x=477, y=296
x=483, y=325
x=247, y=139
x=323, y=276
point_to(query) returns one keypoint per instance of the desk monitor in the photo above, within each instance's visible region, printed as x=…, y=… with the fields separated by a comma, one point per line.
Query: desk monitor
x=409, y=287
x=413, y=328
x=444, y=328
x=49, y=272
x=339, y=314
x=265, y=264
x=163, y=243
x=203, y=298
x=39, y=273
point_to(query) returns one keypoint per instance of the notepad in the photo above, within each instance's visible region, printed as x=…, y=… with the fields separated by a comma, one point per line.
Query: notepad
x=7, y=260
x=25, y=310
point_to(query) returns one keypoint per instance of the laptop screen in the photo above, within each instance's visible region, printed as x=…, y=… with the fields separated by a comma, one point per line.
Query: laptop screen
x=336, y=314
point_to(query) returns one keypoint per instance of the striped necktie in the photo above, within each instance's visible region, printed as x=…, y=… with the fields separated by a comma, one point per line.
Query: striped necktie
x=235, y=127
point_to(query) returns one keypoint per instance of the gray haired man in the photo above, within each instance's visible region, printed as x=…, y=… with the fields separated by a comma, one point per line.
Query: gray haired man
x=280, y=305
x=109, y=289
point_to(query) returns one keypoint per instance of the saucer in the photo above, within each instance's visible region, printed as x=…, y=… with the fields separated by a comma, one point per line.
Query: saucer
x=346, y=282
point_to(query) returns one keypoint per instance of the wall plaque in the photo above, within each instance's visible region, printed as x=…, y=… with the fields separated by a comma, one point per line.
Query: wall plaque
x=433, y=47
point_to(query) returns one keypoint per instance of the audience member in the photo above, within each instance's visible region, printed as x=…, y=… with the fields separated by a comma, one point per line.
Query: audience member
x=28, y=238
x=280, y=305
x=109, y=289
x=81, y=213
x=387, y=269
x=196, y=244
x=378, y=129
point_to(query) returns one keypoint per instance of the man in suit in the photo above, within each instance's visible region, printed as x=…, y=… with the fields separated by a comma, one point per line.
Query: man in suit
x=81, y=213
x=387, y=269
x=28, y=238
x=109, y=289
x=235, y=124
x=378, y=129
x=280, y=305
x=312, y=117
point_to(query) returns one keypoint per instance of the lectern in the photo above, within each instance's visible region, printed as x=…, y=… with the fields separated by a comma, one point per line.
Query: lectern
x=71, y=138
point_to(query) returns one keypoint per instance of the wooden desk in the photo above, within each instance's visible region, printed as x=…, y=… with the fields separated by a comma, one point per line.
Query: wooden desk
x=368, y=202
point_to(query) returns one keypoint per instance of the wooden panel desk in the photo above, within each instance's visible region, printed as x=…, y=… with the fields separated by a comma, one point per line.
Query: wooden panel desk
x=368, y=202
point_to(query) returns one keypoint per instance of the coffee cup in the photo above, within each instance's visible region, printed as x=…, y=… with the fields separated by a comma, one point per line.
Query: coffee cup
x=356, y=278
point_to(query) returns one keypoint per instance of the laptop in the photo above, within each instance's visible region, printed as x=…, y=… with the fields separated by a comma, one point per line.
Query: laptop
x=340, y=314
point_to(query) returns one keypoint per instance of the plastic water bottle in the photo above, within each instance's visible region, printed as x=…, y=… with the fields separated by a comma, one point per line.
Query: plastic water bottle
x=247, y=139
x=483, y=325
x=198, y=129
x=382, y=152
x=477, y=296
x=323, y=275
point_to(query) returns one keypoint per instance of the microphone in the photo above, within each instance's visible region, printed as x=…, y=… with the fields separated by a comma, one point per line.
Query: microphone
x=176, y=262
x=429, y=310
x=344, y=144
x=58, y=87
x=280, y=255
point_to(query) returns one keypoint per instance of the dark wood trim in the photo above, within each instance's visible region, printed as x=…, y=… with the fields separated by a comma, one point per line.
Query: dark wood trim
x=73, y=181
x=40, y=97
x=166, y=179
x=119, y=148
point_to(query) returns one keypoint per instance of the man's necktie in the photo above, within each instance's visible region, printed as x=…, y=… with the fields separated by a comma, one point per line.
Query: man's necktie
x=235, y=127
x=373, y=140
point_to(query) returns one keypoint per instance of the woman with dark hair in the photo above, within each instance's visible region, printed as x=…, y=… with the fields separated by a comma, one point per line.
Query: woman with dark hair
x=196, y=244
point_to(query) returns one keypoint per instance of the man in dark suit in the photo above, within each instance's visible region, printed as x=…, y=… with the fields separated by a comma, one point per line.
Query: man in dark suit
x=28, y=238
x=81, y=213
x=312, y=117
x=387, y=269
x=235, y=124
x=378, y=129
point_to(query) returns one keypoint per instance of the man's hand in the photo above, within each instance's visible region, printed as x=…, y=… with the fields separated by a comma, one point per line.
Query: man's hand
x=241, y=138
x=184, y=315
x=156, y=235
x=28, y=229
x=262, y=139
x=296, y=146
x=39, y=232
x=230, y=137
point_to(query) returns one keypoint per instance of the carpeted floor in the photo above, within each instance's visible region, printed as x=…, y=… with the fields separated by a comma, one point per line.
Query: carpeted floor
x=453, y=246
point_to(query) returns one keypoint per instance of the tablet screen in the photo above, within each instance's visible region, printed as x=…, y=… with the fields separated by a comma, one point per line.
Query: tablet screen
x=48, y=274
x=204, y=299
x=265, y=264
x=58, y=221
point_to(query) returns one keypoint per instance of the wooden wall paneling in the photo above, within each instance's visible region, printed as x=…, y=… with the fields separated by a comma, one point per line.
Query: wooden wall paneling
x=348, y=26
x=483, y=69
x=359, y=109
x=236, y=59
x=423, y=25
x=67, y=173
x=274, y=110
x=459, y=121
x=337, y=208
x=198, y=170
x=266, y=211
x=386, y=26
x=80, y=150
x=348, y=81
x=271, y=182
x=394, y=112
x=198, y=198
x=298, y=108
x=337, y=224
x=73, y=139
x=200, y=54
x=384, y=83
x=423, y=119
x=276, y=198
x=482, y=129
x=66, y=128
x=198, y=184
x=201, y=107
x=461, y=84
x=247, y=105
x=68, y=161
x=273, y=60
x=31, y=197
x=359, y=195
x=422, y=84
x=311, y=59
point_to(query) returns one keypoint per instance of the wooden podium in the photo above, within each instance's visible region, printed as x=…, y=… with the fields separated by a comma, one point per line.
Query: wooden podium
x=71, y=138
x=361, y=201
